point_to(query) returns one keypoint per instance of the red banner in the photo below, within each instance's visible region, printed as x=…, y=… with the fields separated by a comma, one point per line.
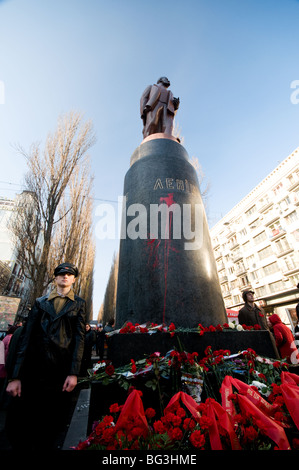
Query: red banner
x=269, y=427
x=290, y=393
x=226, y=389
x=215, y=410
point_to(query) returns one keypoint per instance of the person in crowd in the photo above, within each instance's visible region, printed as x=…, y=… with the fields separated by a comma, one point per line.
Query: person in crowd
x=109, y=326
x=100, y=342
x=284, y=339
x=3, y=360
x=88, y=345
x=251, y=314
x=107, y=329
x=46, y=366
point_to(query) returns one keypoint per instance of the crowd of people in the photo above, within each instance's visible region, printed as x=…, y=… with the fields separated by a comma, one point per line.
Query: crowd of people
x=40, y=361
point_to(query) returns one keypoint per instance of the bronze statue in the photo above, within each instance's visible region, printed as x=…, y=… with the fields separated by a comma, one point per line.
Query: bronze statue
x=157, y=108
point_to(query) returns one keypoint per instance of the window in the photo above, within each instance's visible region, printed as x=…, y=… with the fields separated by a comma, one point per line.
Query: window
x=225, y=288
x=294, y=279
x=292, y=217
x=271, y=268
x=256, y=223
x=275, y=228
x=265, y=252
x=244, y=281
x=296, y=195
x=246, y=246
x=260, y=291
x=250, y=211
x=232, y=242
x=260, y=238
x=289, y=262
x=243, y=232
x=282, y=245
x=276, y=286
x=285, y=203
x=277, y=189
x=255, y=275
x=250, y=260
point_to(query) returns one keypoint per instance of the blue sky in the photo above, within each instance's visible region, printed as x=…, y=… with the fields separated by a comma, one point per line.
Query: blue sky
x=231, y=62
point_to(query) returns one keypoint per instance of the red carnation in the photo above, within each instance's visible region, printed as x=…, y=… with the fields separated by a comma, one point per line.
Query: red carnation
x=110, y=370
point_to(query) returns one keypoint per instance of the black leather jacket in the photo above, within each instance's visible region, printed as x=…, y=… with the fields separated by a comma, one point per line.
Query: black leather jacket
x=51, y=345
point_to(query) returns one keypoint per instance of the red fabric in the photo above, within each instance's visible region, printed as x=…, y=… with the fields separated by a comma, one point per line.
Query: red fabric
x=216, y=410
x=226, y=390
x=289, y=377
x=188, y=401
x=133, y=411
x=290, y=392
x=285, y=340
x=266, y=424
x=215, y=440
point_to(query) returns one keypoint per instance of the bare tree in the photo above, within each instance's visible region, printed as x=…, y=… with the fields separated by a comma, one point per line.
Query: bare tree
x=109, y=305
x=4, y=276
x=49, y=174
x=72, y=239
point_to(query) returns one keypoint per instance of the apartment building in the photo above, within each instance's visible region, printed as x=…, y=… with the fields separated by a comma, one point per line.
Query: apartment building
x=256, y=245
x=13, y=282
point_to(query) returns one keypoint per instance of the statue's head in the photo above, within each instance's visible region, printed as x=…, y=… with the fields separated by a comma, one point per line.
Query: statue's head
x=164, y=81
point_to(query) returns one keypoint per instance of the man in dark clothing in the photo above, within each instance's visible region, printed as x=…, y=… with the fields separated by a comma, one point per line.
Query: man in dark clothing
x=251, y=314
x=90, y=340
x=100, y=342
x=48, y=361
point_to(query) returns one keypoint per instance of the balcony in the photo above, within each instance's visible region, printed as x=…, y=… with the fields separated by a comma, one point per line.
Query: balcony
x=293, y=185
x=227, y=294
x=240, y=270
x=233, y=244
x=289, y=270
x=270, y=218
x=264, y=206
x=284, y=252
x=276, y=233
x=236, y=256
x=223, y=279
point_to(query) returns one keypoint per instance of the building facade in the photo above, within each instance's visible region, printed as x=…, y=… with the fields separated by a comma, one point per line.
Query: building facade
x=13, y=282
x=256, y=245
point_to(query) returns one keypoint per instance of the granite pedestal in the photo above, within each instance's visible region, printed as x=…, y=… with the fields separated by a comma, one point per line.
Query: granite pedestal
x=124, y=347
x=167, y=269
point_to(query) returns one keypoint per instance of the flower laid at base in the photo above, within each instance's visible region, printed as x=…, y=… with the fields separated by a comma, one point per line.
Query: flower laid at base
x=221, y=401
x=151, y=328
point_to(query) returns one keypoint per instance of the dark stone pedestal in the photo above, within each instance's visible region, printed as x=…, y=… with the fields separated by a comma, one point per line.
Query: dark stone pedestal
x=124, y=347
x=160, y=279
